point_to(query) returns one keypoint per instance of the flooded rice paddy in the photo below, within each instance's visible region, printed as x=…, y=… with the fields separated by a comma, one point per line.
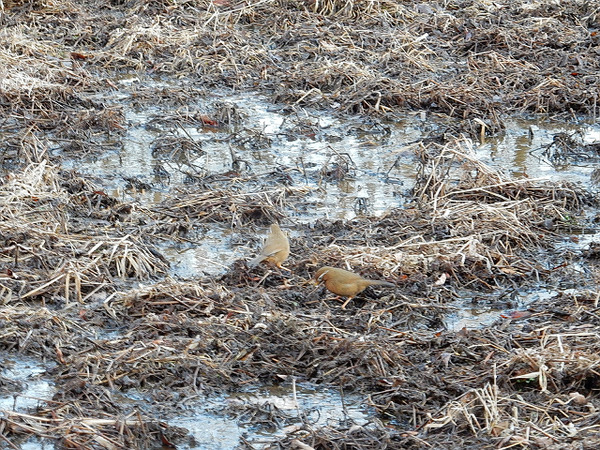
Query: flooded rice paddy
x=449, y=149
x=375, y=164
x=346, y=169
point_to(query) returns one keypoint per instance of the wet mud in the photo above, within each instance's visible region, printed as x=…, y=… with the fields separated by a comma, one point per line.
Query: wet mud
x=147, y=147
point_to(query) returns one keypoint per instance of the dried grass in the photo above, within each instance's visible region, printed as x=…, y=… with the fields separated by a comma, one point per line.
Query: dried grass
x=74, y=258
x=375, y=57
x=50, y=258
x=472, y=229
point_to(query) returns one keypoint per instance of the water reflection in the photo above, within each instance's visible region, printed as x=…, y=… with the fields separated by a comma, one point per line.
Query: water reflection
x=220, y=424
x=350, y=166
x=468, y=316
x=26, y=386
x=519, y=151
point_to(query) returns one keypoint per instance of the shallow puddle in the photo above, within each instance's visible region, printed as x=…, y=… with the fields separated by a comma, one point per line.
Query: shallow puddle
x=213, y=424
x=26, y=387
x=292, y=409
x=210, y=253
x=349, y=167
x=472, y=313
x=521, y=151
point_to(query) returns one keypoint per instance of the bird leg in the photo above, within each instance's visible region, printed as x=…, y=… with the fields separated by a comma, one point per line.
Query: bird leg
x=346, y=302
x=282, y=267
x=339, y=299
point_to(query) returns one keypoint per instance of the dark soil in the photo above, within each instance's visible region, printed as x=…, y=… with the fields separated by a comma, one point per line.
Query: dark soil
x=83, y=283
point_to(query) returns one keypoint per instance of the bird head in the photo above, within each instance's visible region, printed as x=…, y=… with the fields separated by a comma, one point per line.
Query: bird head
x=320, y=275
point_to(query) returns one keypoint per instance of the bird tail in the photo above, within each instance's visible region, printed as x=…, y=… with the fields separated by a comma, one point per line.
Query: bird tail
x=382, y=283
x=255, y=261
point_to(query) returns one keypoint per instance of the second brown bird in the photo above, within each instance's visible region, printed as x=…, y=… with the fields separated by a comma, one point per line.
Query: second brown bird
x=345, y=283
x=276, y=249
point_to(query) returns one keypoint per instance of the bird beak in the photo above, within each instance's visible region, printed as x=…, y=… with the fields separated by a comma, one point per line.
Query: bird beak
x=319, y=280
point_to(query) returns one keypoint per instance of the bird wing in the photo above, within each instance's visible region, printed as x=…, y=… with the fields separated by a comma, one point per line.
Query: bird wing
x=276, y=242
x=269, y=249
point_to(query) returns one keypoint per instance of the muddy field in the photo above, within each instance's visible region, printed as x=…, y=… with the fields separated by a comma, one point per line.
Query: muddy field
x=87, y=284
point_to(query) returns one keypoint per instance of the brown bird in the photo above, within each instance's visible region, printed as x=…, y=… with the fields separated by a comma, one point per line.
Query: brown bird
x=345, y=283
x=276, y=249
